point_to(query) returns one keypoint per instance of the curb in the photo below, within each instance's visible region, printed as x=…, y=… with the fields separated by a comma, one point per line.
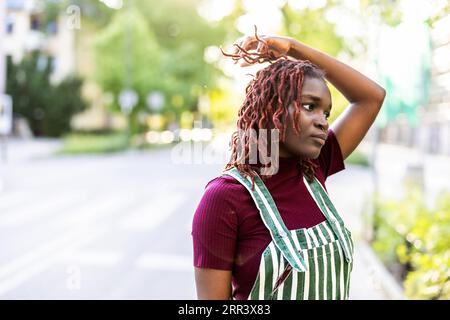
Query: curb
x=381, y=275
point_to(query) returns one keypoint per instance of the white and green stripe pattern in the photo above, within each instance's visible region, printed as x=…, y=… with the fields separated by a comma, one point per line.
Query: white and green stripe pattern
x=322, y=200
x=271, y=217
x=328, y=273
x=321, y=256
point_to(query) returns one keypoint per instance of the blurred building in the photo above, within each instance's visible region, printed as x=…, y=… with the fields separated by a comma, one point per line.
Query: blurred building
x=432, y=132
x=27, y=30
x=436, y=118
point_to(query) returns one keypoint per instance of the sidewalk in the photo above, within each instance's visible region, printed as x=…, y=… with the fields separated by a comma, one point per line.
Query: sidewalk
x=18, y=150
x=14, y=151
x=370, y=280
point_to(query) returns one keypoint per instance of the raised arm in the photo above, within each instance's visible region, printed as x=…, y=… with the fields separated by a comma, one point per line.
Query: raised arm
x=365, y=96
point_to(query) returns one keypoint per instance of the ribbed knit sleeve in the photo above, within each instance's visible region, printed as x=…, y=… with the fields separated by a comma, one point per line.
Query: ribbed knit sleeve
x=330, y=158
x=214, y=227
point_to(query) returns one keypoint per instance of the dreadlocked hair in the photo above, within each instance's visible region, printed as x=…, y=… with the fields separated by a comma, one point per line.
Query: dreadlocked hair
x=268, y=96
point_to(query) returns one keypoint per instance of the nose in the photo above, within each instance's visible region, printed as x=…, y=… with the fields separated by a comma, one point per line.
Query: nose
x=321, y=122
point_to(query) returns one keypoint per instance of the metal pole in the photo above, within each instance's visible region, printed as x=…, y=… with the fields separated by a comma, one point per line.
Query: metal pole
x=2, y=55
x=2, y=74
x=128, y=52
x=370, y=227
x=371, y=230
x=2, y=69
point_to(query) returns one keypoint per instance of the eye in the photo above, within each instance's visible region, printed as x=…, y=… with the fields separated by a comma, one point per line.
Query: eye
x=308, y=106
x=327, y=114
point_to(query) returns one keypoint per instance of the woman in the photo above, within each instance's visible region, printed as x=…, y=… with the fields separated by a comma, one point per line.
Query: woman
x=261, y=233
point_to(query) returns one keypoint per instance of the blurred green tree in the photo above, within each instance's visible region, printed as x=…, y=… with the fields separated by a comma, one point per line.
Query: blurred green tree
x=149, y=47
x=128, y=56
x=48, y=108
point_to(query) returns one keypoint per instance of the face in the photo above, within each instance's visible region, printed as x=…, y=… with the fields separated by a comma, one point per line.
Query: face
x=315, y=110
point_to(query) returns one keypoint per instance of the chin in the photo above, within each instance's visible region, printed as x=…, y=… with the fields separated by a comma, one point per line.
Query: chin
x=314, y=156
x=304, y=152
x=309, y=156
x=312, y=153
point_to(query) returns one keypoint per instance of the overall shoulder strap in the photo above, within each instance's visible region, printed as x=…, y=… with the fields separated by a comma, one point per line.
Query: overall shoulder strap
x=323, y=201
x=281, y=236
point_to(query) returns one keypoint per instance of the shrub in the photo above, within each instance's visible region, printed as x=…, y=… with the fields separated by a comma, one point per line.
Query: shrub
x=48, y=108
x=357, y=158
x=412, y=240
x=82, y=143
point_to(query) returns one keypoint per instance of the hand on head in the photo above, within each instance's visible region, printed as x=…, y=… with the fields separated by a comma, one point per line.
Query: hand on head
x=259, y=49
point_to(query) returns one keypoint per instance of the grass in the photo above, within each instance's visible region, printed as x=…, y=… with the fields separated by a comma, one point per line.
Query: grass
x=357, y=158
x=88, y=143
x=103, y=143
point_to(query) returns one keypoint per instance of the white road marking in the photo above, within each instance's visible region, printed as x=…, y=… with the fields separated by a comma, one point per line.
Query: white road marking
x=36, y=210
x=12, y=277
x=39, y=259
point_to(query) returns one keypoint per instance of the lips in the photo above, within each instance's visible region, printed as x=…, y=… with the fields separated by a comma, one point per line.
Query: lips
x=322, y=136
x=319, y=138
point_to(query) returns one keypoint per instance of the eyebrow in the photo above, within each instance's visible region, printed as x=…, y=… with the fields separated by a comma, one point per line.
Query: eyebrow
x=314, y=98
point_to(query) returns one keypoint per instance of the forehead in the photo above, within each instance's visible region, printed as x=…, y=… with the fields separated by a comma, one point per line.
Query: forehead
x=316, y=87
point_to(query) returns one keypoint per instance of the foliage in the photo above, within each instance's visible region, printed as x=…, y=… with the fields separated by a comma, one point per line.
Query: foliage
x=390, y=12
x=95, y=11
x=80, y=143
x=309, y=26
x=441, y=14
x=48, y=108
x=223, y=107
x=387, y=11
x=409, y=233
x=146, y=49
x=127, y=55
x=357, y=158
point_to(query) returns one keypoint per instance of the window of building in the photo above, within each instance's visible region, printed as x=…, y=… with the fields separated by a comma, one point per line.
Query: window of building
x=35, y=22
x=9, y=24
x=52, y=27
x=15, y=4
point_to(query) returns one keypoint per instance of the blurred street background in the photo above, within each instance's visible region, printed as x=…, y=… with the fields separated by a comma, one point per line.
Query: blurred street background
x=115, y=114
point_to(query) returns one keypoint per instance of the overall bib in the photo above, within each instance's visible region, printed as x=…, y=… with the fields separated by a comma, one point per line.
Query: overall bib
x=308, y=263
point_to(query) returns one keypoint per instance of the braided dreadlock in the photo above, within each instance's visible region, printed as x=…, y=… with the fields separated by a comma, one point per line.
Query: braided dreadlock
x=268, y=96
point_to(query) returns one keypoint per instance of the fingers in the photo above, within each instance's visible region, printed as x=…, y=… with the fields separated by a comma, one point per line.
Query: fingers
x=247, y=44
x=247, y=50
x=238, y=45
x=260, y=47
x=250, y=43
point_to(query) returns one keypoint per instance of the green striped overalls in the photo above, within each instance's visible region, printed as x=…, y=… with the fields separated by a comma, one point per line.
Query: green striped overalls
x=308, y=263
